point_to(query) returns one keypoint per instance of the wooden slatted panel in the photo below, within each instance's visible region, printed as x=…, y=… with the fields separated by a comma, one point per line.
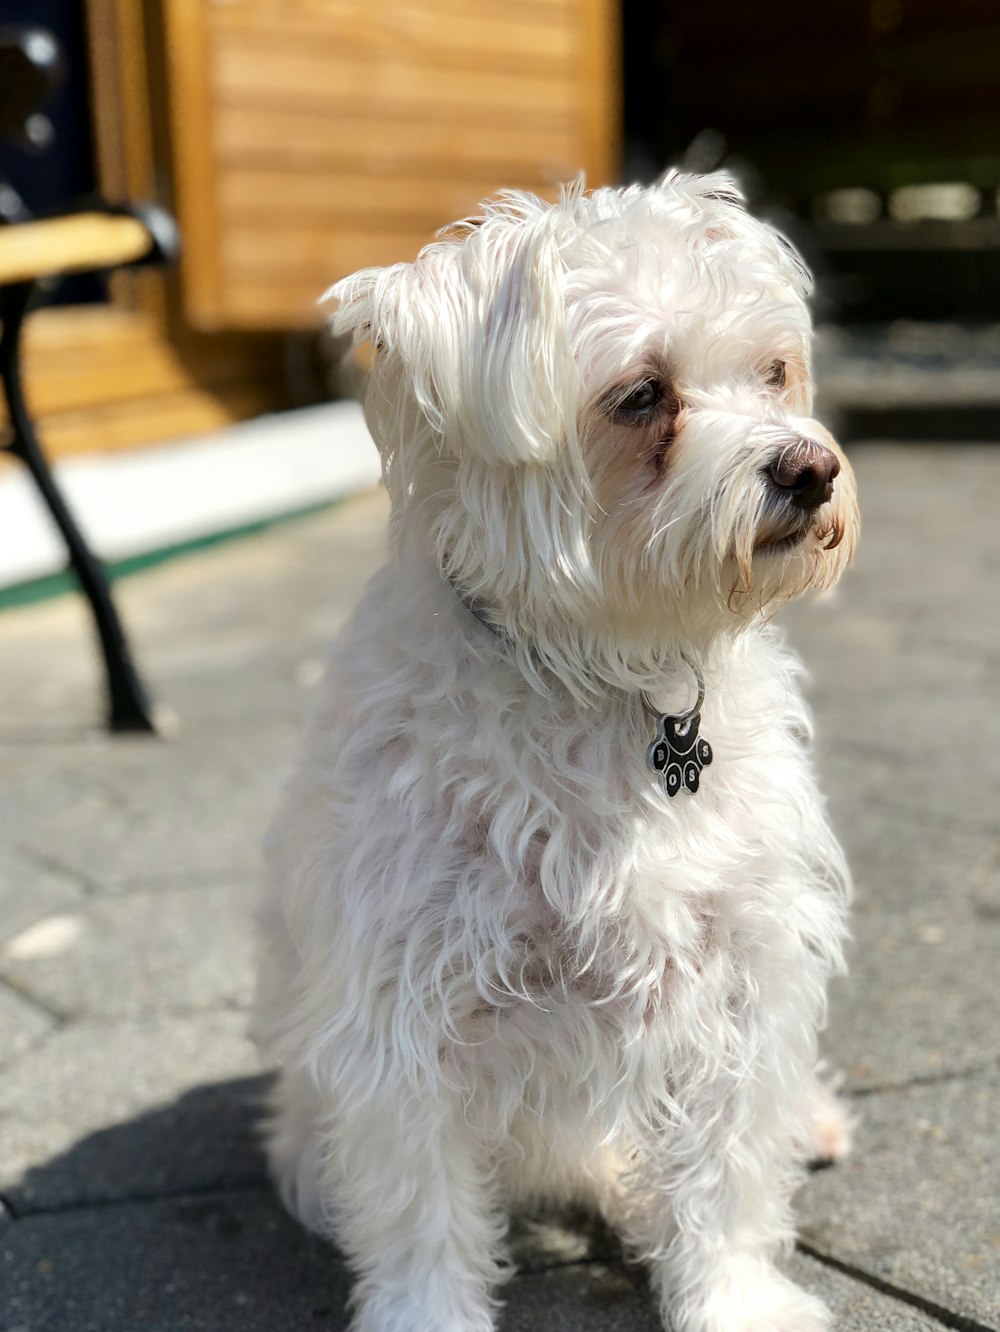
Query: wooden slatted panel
x=339, y=134
x=262, y=255
x=170, y=416
x=308, y=140
x=331, y=75
x=75, y=359
x=390, y=202
x=98, y=378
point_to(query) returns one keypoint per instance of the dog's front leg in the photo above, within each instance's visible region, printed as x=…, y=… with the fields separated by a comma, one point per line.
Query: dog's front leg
x=713, y=1192
x=414, y=1208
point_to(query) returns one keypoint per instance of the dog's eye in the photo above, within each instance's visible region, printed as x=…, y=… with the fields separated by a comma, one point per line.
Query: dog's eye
x=774, y=375
x=641, y=398
x=636, y=402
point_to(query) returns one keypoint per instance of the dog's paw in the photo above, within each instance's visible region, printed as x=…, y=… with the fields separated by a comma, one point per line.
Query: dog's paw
x=752, y=1298
x=380, y=1311
x=830, y=1128
x=785, y=1307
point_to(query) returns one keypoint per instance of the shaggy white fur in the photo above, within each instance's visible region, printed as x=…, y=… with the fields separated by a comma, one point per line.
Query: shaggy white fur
x=497, y=960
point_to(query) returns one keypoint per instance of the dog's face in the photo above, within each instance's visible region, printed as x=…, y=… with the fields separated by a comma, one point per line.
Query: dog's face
x=598, y=413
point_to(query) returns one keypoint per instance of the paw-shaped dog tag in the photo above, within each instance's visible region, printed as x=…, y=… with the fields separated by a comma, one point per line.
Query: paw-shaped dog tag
x=677, y=754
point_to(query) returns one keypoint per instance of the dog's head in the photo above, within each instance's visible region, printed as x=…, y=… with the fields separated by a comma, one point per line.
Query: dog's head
x=597, y=414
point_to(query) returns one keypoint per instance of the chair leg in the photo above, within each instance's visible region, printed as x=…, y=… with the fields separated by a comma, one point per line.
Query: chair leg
x=128, y=706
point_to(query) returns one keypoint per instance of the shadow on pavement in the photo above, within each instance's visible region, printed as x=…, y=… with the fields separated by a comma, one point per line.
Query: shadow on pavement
x=168, y=1221
x=205, y=1139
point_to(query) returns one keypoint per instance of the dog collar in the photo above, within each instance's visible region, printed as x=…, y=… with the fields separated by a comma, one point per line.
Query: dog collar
x=477, y=608
x=677, y=753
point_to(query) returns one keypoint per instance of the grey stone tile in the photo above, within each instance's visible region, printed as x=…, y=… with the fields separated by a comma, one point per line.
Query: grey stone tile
x=53, y=797
x=582, y=1297
x=100, y=1111
x=856, y=1307
x=235, y=688
x=22, y=1023
x=230, y=632
x=51, y=682
x=903, y=656
x=30, y=889
x=914, y=731
x=942, y=789
x=222, y=1262
x=926, y=932
x=205, y=1264
x=920, y=996
x=165, y=949
x=352, y=536
x=916, y=1202
x=569, y=1260
x=198, y=625
x=142, y=810
x=905, y=690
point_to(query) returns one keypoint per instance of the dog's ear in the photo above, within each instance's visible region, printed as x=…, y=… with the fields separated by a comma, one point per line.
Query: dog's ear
x=358, y=298
x=476, y=325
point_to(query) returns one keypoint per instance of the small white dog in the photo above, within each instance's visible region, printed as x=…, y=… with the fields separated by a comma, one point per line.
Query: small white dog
x=500, y=958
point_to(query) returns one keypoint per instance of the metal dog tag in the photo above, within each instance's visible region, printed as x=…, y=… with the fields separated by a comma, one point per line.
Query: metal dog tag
x=677, y=754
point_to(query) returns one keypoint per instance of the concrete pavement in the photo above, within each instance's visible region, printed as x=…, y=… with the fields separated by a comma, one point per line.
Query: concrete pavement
x=134, y=1196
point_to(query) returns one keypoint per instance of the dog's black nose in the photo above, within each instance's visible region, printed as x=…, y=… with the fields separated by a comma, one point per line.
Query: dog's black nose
x=806, y=471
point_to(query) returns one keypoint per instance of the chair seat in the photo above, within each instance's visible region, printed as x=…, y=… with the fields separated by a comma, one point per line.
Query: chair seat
x=79, y=243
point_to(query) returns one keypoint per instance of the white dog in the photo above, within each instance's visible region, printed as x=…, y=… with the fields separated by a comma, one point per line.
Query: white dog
x=520, y=938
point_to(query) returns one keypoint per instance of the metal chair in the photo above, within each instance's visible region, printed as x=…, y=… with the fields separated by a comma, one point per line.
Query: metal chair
x=88, y=236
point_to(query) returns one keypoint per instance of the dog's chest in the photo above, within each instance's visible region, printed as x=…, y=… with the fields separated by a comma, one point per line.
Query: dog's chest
x=526, y=840
x=615, y=897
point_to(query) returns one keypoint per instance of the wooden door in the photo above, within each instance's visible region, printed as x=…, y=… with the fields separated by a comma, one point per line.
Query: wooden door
x=311, y=137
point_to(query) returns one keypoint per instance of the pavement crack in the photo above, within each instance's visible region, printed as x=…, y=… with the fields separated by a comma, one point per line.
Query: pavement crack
x=922, y=1080
x=151, y=1013
x=32, y=1001
x=246, y=1184
x=946, y=1317
x=55, y=864
x=170, y=882
x=910, y=812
